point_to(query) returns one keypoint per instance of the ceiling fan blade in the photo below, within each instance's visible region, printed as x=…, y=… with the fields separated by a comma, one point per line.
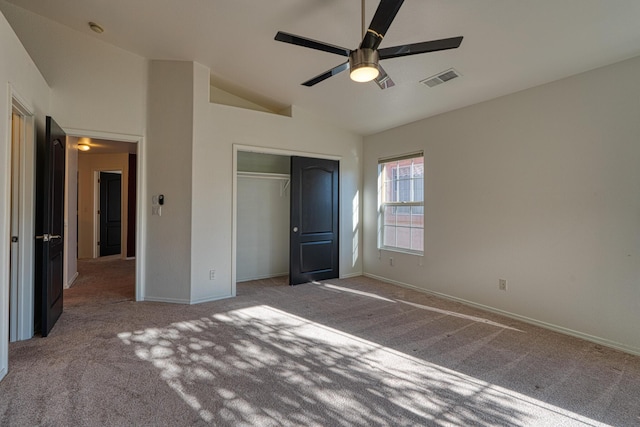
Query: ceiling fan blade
x=324, y=76
x=383, y=80
x=384, y=16
x=423, y=47
x=313, y=44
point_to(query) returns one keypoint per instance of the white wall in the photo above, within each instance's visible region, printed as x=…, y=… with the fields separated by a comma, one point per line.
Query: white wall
x=263, y=211
x=189, y=160
x=95, y=86
x=18, y=75
x=539, y=188
x=217, y=128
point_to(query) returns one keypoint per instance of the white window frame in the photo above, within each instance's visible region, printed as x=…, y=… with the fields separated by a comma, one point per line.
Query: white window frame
x=383, y=204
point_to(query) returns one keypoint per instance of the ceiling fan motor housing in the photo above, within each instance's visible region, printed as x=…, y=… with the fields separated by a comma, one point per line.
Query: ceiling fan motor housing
x=364, y=62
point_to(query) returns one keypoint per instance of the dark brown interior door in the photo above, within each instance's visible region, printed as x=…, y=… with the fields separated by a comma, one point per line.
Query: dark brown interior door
x=110, y=213
x=314, y=220
x=50, y=157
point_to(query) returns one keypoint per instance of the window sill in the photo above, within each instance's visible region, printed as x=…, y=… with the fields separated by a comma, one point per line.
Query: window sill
x=402, y=251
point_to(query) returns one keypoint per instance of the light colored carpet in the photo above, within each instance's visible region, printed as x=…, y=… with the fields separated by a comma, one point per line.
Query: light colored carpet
x=340, y=353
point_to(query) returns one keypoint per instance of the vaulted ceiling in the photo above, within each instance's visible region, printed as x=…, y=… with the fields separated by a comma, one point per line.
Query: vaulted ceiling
x=508, y=46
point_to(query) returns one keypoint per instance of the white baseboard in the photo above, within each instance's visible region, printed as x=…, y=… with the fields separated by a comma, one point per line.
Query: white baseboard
x=350, y=275
x=70, y=282
x=210, y=299
x=3, y=372
x=167, y=300
x=129, y=258
x=267, y=276
x=550, y=326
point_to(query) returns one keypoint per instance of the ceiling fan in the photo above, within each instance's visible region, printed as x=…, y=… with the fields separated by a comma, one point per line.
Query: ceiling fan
x=364, y=61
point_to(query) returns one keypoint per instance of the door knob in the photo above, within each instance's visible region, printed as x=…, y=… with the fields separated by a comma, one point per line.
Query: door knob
x=47, y=237
x=295, y=229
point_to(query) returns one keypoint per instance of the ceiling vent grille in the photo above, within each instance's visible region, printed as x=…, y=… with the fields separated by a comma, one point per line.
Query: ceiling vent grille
x=440, y=78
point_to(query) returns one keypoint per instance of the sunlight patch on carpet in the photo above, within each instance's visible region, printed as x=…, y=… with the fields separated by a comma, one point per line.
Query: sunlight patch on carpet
x=264, y=366
x=420, y=306
x=354, y=291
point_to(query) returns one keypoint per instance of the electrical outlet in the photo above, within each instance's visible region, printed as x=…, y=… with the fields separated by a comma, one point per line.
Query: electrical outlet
x=391, y=262
x=212, y=275
x=502, y=284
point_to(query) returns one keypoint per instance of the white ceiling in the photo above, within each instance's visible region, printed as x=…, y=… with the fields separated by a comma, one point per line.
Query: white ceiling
x=509, y=45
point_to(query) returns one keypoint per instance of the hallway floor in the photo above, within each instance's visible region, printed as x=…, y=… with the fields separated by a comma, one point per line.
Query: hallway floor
x=102, y=280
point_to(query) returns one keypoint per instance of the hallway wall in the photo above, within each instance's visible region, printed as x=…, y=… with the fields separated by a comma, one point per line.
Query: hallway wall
x=71, y=213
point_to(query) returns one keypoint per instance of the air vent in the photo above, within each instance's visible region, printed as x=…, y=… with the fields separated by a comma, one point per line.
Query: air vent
x=440, y=78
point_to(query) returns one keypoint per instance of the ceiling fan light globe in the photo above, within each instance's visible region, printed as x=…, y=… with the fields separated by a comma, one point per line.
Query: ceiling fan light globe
x=363, y=64
x=364, y=74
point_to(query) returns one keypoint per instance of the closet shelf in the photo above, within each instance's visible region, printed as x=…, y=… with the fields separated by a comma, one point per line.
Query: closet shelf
x=263, y=175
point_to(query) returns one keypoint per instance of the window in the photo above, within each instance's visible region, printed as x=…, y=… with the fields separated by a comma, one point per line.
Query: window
x=401, y=201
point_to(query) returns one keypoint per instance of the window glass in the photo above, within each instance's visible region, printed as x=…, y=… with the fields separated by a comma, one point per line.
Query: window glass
x=402, y=203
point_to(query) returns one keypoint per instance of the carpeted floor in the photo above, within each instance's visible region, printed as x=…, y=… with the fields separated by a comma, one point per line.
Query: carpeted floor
x=337, y=353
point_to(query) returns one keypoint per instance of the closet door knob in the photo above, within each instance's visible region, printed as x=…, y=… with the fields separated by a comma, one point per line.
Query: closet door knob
x=295, y=229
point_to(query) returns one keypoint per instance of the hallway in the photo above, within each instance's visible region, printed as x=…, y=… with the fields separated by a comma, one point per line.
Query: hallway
x=105, y=280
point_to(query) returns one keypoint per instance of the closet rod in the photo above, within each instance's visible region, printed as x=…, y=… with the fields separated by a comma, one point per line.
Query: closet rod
x=263, y=175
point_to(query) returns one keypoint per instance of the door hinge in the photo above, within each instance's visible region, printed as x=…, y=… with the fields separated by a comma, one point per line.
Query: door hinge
x=98, y=243
x=98, y=212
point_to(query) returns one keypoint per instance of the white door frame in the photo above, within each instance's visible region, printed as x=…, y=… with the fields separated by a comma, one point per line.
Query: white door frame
x=17, y=126
x=25, y=291
x=141, y=194
x=23, y=304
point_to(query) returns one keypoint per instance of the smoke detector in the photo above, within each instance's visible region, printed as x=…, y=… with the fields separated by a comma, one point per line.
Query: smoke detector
x=441, y=77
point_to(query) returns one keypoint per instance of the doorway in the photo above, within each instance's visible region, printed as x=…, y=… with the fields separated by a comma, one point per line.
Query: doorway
x=263, y=206
x=118, y=154
x=262, y=216
x=110, y=212
x=21, y=202
x=107, y=199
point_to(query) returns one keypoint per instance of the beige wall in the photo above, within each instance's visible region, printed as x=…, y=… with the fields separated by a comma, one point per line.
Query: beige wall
x=88, y=165
x=168, y=166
